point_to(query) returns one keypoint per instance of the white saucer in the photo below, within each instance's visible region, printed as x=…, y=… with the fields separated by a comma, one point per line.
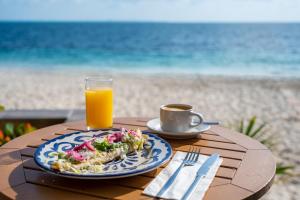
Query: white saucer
x=154, y=125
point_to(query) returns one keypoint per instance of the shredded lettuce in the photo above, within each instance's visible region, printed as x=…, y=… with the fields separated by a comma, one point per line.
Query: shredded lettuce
x=101, y=145
x=61, y=155
x=106, y=146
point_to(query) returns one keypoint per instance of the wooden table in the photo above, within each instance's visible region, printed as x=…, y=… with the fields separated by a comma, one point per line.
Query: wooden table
x=247, y=170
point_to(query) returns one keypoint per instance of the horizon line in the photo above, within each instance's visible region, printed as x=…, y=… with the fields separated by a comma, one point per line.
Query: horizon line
x=151, y=21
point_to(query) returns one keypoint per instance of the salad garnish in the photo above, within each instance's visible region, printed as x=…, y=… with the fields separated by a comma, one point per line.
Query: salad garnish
x=90, y=156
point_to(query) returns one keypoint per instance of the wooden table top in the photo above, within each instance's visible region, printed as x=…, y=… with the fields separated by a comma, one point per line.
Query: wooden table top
x=247, y=170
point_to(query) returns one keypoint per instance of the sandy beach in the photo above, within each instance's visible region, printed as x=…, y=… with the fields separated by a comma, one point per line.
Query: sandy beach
x=227, y=99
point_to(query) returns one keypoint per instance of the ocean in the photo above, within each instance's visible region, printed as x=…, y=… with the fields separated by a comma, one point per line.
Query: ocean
x=218, y=49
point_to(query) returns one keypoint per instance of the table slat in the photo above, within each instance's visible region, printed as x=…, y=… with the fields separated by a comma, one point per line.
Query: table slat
x=216, y=138
x=11, y=175
x=27, y=151
x=35, y=192
x=227, y=162
x=139, y=121
x=97, y=188
x=256, y=169
x=239, y=138
x=206, y=143
x=9, y=156
x=227, y=192
x=209, y=151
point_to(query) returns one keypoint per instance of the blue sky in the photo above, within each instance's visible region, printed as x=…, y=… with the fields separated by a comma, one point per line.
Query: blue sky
x=152, y=10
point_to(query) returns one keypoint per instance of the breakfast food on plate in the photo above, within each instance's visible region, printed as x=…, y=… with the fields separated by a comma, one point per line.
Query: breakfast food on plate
x=90, y=156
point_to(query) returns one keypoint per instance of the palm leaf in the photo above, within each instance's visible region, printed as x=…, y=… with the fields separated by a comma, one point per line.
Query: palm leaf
x=268, y=142
x=1, y=108
x=258, y=130
x=259, y=134
x=9, y=130
x=282, y=169
x=250, y=125
x=241, y=128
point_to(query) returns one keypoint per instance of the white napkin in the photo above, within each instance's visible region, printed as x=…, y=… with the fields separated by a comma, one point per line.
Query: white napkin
x=183, y=180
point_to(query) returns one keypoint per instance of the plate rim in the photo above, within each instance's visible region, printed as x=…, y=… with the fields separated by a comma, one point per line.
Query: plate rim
x=102, y=176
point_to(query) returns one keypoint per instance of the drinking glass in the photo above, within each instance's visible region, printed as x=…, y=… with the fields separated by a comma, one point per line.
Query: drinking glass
x=99, y=102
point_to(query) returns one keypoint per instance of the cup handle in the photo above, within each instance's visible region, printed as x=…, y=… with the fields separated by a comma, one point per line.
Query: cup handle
x=199, y=116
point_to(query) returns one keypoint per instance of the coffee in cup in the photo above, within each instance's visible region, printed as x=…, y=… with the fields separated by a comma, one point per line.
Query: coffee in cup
x=178, y=117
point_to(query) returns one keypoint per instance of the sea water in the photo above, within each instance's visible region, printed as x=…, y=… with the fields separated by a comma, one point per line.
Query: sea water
x=218, y=49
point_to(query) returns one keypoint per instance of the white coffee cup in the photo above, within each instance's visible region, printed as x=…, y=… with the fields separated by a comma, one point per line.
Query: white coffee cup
x=178, y=117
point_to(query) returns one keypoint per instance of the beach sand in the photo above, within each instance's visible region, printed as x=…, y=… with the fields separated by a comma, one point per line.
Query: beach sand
x=227, y=99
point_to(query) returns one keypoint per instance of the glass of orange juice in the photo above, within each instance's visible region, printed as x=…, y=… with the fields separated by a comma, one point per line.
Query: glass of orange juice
x=99, y=102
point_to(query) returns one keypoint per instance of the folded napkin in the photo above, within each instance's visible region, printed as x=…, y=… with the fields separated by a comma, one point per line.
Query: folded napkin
x=183, y=180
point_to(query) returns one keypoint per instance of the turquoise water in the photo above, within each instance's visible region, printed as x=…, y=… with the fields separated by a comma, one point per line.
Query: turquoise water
x=226, y=49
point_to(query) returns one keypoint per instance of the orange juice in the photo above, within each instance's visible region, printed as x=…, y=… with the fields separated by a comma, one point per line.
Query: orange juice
x=99, y=108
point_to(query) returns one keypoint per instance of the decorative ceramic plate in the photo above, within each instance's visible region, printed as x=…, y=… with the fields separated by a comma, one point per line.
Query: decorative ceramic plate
x=156, y=154
x=154, y=125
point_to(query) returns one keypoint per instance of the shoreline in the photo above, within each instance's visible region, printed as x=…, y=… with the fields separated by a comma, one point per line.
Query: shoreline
x=158, y=74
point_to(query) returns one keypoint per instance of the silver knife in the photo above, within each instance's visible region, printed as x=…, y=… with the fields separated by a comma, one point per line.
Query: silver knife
x=202, y=171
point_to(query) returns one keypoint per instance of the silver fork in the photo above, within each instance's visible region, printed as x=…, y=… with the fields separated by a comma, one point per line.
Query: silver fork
x=190, y=159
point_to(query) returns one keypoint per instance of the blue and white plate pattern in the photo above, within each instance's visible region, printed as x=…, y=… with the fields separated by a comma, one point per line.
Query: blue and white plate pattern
x=156, y=154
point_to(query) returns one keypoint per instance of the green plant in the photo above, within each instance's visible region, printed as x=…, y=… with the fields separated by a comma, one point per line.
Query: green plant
x=10, y=131
x=258, y=132
x=283, y=169
x=1, y=108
